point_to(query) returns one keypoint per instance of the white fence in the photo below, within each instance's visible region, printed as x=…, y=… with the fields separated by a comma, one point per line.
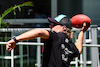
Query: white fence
x=82, y=60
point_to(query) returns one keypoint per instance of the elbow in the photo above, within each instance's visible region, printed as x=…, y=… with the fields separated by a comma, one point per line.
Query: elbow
x=39, y=32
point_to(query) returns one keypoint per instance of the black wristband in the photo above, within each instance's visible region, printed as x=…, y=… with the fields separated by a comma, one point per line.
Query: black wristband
x=14, y=38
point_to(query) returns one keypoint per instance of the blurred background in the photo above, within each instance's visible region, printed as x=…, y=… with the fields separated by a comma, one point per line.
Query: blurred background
x=43, y=9
x=36, y=17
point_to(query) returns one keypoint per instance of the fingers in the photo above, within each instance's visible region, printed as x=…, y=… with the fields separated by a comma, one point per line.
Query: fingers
x=9, y=47
x=85, y=26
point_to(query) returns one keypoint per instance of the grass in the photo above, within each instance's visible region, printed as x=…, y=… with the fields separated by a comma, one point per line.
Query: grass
x=79, y=66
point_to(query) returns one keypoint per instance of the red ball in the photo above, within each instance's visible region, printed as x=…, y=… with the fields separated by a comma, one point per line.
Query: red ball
x=79, y=19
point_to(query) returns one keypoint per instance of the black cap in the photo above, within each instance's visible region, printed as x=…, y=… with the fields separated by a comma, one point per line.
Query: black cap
x=61, y=20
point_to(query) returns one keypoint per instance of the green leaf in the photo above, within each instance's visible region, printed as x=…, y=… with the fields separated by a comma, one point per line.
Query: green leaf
x=6, y=12
x=13, y=8
x=19, y=9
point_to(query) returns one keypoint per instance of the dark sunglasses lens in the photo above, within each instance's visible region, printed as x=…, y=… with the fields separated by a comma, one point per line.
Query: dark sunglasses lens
x=53, y=24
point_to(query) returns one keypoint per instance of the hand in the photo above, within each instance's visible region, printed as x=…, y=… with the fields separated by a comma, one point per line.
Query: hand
x=85, y=26
x=10, y=45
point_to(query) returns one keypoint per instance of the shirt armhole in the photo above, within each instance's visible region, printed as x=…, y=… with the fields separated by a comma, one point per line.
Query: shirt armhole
x=76, y=50
x=48, y=38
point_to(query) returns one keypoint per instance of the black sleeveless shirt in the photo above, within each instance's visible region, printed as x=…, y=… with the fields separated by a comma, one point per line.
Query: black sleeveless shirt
x=58, y=50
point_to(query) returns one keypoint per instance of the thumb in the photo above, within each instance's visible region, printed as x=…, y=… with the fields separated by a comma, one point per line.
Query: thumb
x=84, y=24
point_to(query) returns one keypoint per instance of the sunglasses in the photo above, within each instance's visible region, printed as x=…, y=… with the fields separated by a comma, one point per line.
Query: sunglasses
x=53, y=24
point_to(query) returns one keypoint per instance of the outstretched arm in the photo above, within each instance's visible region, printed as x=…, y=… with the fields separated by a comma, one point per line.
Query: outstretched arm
x=79, y=43
x=27, y=36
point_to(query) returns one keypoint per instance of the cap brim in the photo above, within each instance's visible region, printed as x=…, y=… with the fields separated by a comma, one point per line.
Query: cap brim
x=52, y=20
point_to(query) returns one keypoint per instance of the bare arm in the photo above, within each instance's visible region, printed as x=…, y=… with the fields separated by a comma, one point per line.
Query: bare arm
x=79, y=43
x=33, y=34
x=27, y=36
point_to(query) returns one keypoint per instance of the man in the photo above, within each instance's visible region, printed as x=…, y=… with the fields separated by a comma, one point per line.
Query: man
x=58, y=47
